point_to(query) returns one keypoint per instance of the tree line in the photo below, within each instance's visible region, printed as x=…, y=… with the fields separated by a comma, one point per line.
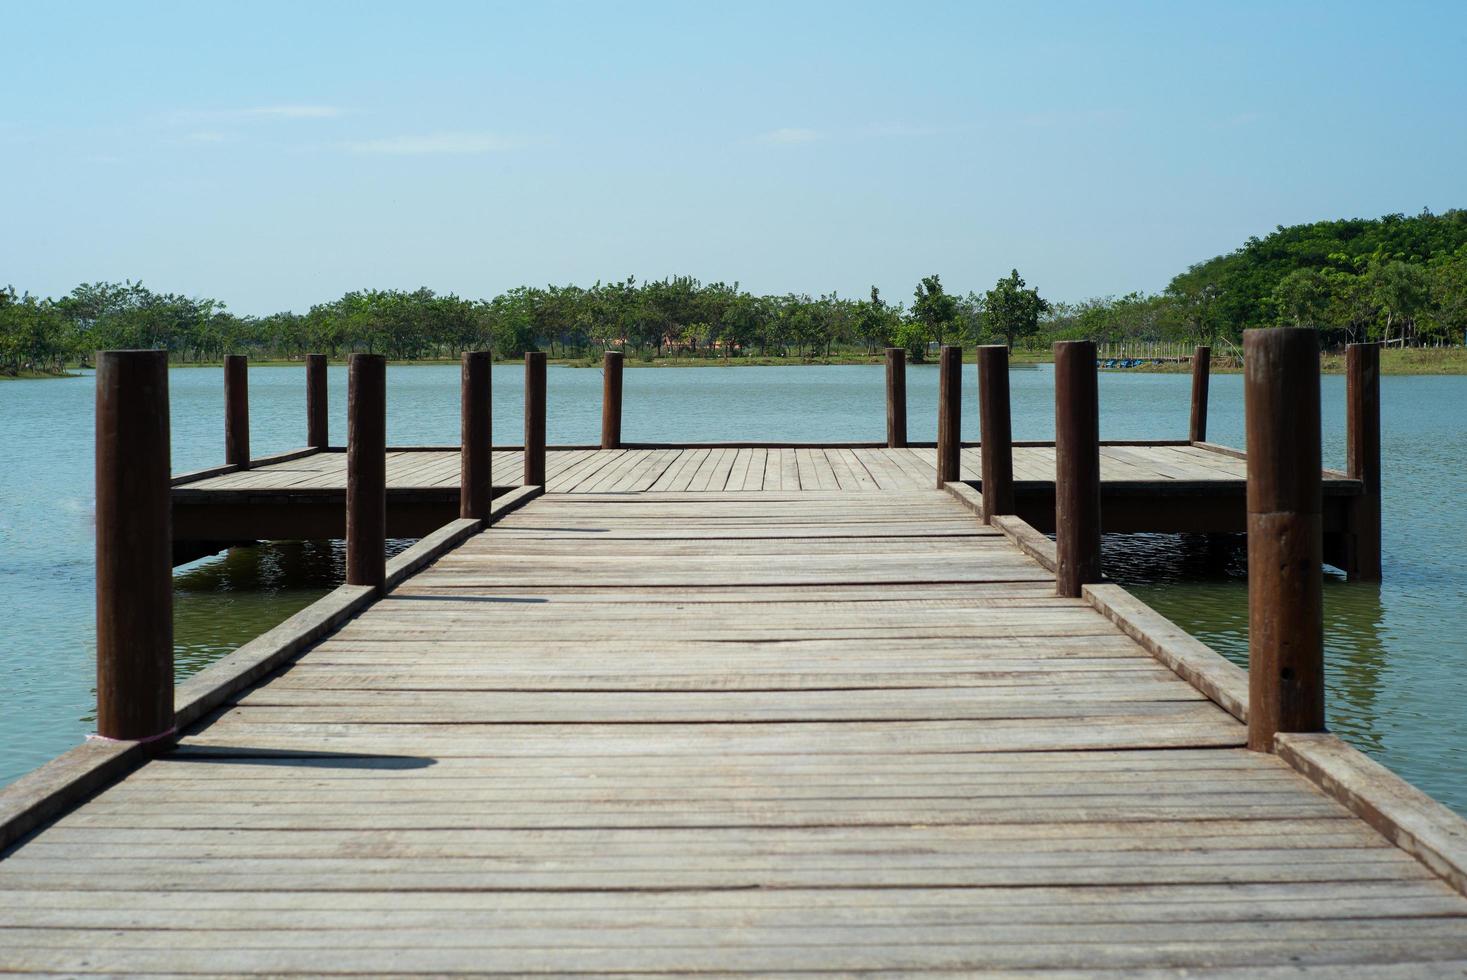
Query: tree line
x=1399, y=279
x=657, y=317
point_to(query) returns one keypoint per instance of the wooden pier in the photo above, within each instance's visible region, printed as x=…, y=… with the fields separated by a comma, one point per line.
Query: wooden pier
x=1158, y=485
x=765, y=730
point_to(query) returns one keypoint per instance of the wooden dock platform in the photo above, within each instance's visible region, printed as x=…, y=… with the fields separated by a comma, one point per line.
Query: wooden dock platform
x=763, y=731
x=1154, y=486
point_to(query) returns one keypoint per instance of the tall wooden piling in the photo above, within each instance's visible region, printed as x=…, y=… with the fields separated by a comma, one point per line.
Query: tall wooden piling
x=476, y=482
x=996, y=431
x=317, y=424
x=1285, y=537
x=611, y=365
x=949, y=412
x=1201, y=374
x=1362, y=453
x=535, y=419
x=366, y=470
x=134, y=547
x=1077, y=466
x=237, y=410
x=896, y=397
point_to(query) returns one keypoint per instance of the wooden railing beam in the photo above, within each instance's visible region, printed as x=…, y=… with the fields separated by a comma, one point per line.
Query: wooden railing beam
x=366, y=470
x=317, y=417
x=535, y=419
x=611, y=366
x=949, y=413
x=1285, y=534
x=896, y=397
x=996, y=431
x=1077, y=466
x=475, y=435
x=134, y=547
x=237, y=410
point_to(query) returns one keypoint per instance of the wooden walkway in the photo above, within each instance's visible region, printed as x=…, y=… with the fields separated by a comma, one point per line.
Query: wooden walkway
x=752, y=732
x=1151, y=487
x=721, y=469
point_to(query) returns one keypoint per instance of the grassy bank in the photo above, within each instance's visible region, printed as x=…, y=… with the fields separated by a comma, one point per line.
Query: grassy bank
x=1393, y=360
x=29, y=375
x=1400, y=361
x=634, y=360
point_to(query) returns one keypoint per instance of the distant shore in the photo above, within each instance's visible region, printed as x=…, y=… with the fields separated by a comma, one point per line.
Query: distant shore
x=1393, y=361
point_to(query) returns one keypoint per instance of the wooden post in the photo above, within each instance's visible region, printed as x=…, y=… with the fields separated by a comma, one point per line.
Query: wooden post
x=476, y=438
x=1285, y=536
x=1201, y=372
x=896, y=397
x=134, y=547
x=611, y=364
x=949, y=407
x=317, y=426
x=237, y=410
x=366, y=470
x=1077, y=466
x=1362, y=410
x=535, y=419
x=997, y=446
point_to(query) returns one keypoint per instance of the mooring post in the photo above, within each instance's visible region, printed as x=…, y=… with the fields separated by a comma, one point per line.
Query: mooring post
x=134, y=547
x=476, y=482
x=366, y=470
x=611, y=364
x=1201, y=373
x=896, y=397
x=949, y=408
x=996, y=431
x=1285, y=535
x=535, y=419
x=1362, y=452
x=1077, y=466
x=237, y=410
x=317, y=426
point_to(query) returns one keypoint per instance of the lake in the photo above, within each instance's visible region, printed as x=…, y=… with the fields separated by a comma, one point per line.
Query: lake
x=1396, y=653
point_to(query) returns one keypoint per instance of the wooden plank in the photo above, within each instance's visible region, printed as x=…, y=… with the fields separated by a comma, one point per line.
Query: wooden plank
x=1407, y=817
x=1194, y=661
x=789, y=470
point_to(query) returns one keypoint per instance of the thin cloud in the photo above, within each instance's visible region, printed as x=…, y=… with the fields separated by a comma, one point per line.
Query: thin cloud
x=790, y=135
x=1241, y=119
x=293, y=111
x=437, y=144
x=909, y=131
x=1070, y=120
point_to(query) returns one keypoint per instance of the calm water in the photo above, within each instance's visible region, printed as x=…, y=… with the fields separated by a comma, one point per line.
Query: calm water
x=1397, y=655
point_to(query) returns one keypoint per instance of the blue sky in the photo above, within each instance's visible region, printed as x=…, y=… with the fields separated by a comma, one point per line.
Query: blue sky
x=274, y=155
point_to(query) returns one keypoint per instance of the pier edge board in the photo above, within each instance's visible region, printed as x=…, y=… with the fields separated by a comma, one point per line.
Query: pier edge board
x=1404, y=815
x=1028, y=540
x=1223, y=681
x=195, y=475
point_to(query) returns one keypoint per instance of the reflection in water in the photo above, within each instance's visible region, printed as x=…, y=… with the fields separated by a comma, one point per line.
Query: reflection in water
x=222, y=601
x=1200, y=582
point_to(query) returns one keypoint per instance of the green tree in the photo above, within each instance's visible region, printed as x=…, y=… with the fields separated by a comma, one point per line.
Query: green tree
x=1012, y=310
x=1302, y=298
x=935, y=310
x=1402, y=289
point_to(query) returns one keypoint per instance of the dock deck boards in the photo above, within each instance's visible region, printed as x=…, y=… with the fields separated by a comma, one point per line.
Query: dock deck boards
x=720, y=730
x=728, y=469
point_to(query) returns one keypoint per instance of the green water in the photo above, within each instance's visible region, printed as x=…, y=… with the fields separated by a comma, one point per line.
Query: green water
x=1396, y=654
